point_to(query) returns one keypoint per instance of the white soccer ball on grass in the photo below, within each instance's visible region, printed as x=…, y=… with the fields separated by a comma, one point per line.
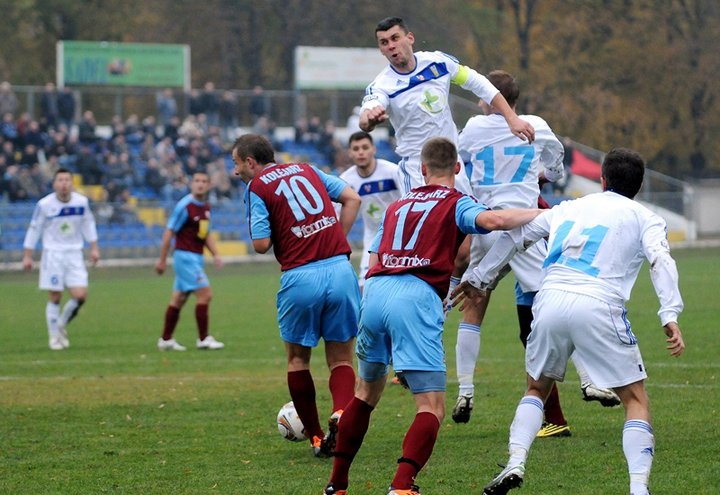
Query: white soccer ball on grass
x=289, y=424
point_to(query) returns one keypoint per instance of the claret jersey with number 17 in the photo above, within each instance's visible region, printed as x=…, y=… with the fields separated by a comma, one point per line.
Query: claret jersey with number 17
x=422, y=232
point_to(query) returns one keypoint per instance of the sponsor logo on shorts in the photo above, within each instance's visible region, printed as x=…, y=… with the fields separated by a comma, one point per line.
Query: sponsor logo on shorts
x=392, y=261
x=305, y=231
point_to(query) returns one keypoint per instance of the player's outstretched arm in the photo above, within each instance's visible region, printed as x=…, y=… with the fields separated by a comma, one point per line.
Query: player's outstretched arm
x=675, y=342
x=506, y=219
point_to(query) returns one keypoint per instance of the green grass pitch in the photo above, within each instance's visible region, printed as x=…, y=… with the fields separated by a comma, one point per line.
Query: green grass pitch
x=113, y=415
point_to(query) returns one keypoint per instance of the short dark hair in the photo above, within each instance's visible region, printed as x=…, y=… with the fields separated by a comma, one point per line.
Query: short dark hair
x=61, y=170
x=623, y=170
x=439, y=155
x=506, y=84
x=358, y=136
x=256, y=146
x=390, y=22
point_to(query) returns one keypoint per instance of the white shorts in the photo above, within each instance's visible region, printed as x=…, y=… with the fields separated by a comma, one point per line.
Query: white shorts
x=411, y=175
x=60, y=269
x=526, y=266
x=598, y=334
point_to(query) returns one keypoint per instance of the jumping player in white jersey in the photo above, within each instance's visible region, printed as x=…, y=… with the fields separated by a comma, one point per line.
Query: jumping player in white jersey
x=504, y=173
x=597, y=245
x=377, y=182
x=64, y=222
x=413, y=93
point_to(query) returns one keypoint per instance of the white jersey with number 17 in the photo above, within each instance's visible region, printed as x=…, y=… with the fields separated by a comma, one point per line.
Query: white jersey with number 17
x=503, y=169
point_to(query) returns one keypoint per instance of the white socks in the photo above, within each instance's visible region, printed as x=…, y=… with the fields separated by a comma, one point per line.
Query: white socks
x=525, y=426
x=52, y=317
x=69, y=311
x=639, y=448
x=467, y=350
x=582, y=374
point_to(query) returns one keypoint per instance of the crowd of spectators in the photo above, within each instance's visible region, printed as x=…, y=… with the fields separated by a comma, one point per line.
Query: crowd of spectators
x=148, y=158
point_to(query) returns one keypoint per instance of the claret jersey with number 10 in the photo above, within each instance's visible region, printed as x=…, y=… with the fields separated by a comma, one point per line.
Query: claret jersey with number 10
x=422, y=232
x=292, y=204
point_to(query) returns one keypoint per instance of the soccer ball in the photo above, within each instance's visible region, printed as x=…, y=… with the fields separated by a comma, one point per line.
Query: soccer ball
x=289, y=424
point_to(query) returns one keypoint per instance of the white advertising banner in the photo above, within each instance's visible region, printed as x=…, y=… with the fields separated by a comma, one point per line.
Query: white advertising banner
x=336, y=67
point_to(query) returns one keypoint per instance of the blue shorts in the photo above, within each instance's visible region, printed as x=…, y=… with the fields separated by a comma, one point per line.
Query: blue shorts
x=320, y=299
x=189, y=271
x=417, y=381
x=523, y=298
x=401, y=322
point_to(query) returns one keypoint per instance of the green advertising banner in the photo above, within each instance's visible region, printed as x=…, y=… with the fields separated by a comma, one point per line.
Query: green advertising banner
x=123, y=64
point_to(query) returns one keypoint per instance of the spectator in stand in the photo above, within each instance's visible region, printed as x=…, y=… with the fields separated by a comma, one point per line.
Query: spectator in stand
x=118, y=144
x=302, y=131
x=8, y=101
x=258, y=103
x=315, y=128
x=66, y=107
x=34, y=135
x=49, y=106
x=49, y=166
x=165, y=149
x=123, y=212
x=58, y=145
x=264, y=127
x=133, y=129
x=25, y=186
x=220, y=186
x=166, y=106
x=326, y=142
x=117, y=171
x=4, y=177
x=8, y=127
x=29, y=155
x=148, y=127
x=195, y=103
x=228, y=112
x=86, y=128
x=210, y=103
x=192, y=166
x=8, y=149
x=88, y=166
x=22, y=124
x=156, y=178
x=171, y=130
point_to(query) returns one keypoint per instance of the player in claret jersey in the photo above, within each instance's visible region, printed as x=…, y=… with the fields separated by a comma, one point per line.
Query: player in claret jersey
x=402, y=310
x=290, y=209
x=190, y=225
